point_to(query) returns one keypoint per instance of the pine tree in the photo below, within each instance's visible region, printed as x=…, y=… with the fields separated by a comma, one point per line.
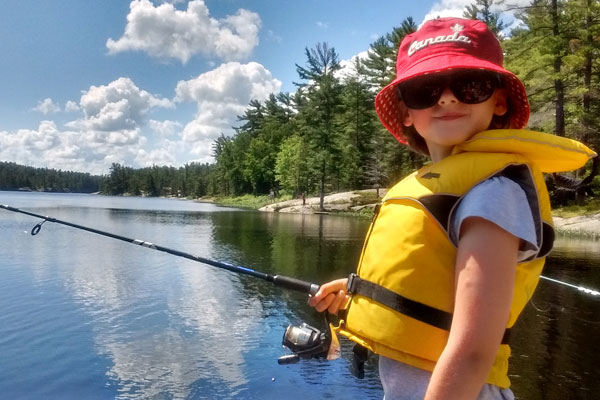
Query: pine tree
x=482, y=10
x=323, y=99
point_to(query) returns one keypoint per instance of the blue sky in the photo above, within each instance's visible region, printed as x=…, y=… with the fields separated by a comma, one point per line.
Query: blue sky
x=85, y=83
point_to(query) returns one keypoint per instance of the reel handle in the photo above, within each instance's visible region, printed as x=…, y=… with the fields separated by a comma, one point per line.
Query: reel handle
x=295, y=284
x=289, y=359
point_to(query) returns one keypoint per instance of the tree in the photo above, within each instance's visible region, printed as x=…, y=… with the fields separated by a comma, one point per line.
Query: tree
x=118, y=179
x=323, y=99
x=536, y=53
x=380, y=69
x=267, y=130
x=359, y=124
x=292, y=168
x=482, y=10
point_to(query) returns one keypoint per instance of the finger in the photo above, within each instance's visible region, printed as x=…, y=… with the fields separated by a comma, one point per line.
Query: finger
x=315, y=299
x=326, y=289
x=337, y=301
x=346, y=301
x=325, y=303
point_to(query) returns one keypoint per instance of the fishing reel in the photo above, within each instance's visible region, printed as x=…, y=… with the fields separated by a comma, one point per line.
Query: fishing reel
x=305, y=342
x=308, y=342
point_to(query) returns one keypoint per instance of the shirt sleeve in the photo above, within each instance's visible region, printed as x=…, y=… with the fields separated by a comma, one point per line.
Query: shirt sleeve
x=503, y=202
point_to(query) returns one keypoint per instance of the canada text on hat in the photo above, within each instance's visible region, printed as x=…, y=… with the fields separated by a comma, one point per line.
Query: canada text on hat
x=455, y=37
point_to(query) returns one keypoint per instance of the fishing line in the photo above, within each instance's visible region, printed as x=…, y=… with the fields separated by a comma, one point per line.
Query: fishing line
x=580, y=288
x=278, y=280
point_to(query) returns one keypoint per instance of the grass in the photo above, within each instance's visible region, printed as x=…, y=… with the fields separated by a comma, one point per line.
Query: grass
x=248, y=201
x=591, y=206
x=365, y=197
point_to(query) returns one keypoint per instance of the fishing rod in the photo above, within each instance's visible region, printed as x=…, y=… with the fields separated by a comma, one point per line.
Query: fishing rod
x=278, y=280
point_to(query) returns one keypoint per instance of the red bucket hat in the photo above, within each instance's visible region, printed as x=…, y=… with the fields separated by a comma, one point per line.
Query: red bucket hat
x=444, y=44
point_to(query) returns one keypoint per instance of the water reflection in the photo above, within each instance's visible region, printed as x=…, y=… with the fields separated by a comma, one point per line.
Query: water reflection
x=162, y=323
x=90, y=317
x=555, y=354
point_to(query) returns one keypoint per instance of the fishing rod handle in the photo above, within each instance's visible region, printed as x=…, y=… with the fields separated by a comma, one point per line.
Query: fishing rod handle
x=295, y=284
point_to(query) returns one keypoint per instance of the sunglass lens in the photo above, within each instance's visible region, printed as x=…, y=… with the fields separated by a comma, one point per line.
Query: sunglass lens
x=421, y=93
x=473, y=88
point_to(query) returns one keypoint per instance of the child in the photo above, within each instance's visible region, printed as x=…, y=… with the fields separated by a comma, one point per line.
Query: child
x=455, y=249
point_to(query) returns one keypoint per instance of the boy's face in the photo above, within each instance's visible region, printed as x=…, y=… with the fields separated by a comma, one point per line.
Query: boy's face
x=450, y=122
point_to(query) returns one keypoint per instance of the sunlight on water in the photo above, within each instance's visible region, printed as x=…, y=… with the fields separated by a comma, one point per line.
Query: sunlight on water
x=85, y=316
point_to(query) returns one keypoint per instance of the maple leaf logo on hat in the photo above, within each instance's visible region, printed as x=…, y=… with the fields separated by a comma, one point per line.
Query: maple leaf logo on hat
x=457, y=28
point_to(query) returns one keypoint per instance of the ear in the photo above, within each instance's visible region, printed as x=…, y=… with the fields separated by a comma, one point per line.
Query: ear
x=406, y=117
x=501, y=106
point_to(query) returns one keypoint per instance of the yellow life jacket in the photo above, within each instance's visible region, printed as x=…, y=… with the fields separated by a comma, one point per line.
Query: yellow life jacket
x=403, y=294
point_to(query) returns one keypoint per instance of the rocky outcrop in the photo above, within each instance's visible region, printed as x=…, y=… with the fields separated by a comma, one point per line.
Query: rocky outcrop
x=336, y=202
x=586, y=225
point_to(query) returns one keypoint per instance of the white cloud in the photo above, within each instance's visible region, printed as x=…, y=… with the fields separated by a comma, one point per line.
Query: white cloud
x=47, y=106
x=162, y=154
x=273, y=37
x=164, y=128
x=120, y=105
x=71, y=106
x=448, y=8
x=222, y=94
x=456, y=8
x=166, y=32
x=47, y=146
x=347, y=66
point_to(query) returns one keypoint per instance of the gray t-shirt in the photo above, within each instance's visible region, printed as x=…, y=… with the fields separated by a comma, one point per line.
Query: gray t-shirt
x=503, y=202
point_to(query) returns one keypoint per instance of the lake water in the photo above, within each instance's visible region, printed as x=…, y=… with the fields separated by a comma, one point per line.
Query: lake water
x=88, y=317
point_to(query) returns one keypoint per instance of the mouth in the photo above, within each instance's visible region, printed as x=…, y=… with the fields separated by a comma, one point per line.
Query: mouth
x=449, y=116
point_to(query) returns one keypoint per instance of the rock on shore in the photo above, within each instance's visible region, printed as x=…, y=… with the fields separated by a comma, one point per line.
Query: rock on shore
x=333, y=202
x=586, y=225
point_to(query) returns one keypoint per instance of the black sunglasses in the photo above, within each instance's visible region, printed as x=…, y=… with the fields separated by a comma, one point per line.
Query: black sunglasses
x=469, y=87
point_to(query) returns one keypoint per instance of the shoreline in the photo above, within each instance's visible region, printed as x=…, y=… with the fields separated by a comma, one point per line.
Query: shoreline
x=587, y=226
x=582, y=226
x=353, y=204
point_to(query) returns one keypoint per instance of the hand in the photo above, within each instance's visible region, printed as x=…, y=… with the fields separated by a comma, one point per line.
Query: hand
x=331, y=296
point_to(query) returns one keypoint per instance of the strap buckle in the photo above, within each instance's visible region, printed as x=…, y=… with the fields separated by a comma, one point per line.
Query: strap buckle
x=352, y=285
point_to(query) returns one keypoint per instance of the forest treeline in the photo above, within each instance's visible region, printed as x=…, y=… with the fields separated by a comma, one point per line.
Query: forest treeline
x=326, y=136
x=20, y=177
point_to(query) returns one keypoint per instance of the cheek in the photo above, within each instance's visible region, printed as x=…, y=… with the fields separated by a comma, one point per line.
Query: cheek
x=415, y=117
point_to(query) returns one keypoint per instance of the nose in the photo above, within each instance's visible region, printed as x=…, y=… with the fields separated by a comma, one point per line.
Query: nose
x=447, y=97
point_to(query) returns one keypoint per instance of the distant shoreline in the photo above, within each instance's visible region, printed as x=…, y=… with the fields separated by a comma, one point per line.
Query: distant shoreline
x=587, y=226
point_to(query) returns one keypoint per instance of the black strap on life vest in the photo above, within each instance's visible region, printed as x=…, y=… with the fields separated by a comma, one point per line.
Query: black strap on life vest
x=419, y=311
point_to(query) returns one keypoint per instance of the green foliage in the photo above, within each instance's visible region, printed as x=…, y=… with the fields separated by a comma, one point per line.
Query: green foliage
x=292, y=168
x=20, y=177
x=587, y=207
x=192, y=180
